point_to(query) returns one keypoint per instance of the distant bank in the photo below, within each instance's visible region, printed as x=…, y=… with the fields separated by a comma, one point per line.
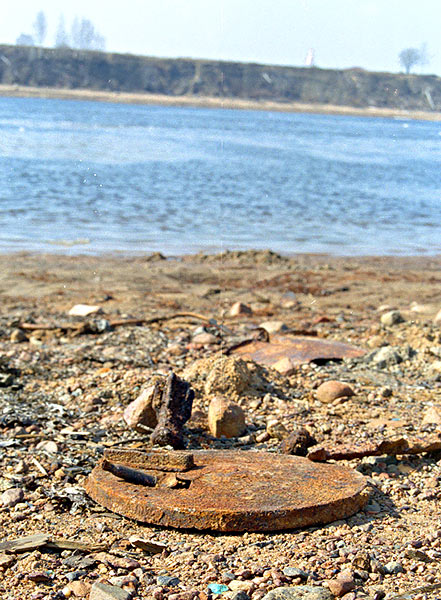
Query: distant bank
x=74, y=74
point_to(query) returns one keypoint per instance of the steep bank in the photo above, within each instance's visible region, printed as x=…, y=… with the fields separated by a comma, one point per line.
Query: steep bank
x=186, y=78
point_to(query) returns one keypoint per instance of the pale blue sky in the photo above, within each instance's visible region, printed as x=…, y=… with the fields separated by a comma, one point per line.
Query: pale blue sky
x=343, y=33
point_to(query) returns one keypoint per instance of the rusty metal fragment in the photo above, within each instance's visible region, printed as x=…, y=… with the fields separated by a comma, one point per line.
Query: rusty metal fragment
x=235, y=491
x=298, y=442
x=175, y=410
x=297, y=350
x=352, y=450
x=153, y=459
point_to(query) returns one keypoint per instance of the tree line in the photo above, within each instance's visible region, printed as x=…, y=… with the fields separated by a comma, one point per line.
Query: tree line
x=82, y=34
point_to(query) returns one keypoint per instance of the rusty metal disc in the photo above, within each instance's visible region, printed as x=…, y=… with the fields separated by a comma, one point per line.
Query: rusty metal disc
x=298, y=350
x=231, y=491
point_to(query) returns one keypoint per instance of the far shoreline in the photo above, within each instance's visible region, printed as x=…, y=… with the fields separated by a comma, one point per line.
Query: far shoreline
x=17, y=91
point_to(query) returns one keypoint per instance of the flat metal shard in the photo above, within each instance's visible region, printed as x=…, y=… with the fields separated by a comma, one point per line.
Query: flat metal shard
x=234, y=491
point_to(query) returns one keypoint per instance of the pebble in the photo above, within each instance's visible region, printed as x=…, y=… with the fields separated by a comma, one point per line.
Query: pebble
x=80, y=589
x=342, y=584
x=331, y=390
x=274, y=326
x=239, y=308
x=47, y=446
x=276, y=429
x=240, y=595
x=102, y=591
x=6, y=560
x=18, y=336
x=217, y=588
x=298, y=442
x=140, y=411
x=12, y=497
x=393, y=317
x=299, y=592
x=393, y=567
x=386, y=356
x=295, y=572
x=205, y=339
x=432, y=415
x=84, y=310
x=167, y=580
x=225, y=418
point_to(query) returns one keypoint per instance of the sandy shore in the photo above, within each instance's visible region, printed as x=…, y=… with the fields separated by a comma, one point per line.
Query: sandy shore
x=63, y=393
x=207, y=102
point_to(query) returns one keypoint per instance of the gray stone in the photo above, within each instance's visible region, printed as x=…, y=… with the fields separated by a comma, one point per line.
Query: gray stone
x=299, y=592
x=102, y=591
x=393, y=567
x=241, y=595
x=295, y=572
x=167, y=580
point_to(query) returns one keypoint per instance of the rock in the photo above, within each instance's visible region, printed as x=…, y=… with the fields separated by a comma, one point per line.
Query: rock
x=432, y=415
x=435, y=367
x=18, y=336
x=225, y=418
x=393, y=567
x=422, y=309
x=295, y=572
x=141, y=412
x=84, y=310
x=80, y=589
x=239, y=308
x=217, y=588
x=342, y=584
x=298, y=442
x=48, y=446
x=331, y=390
x=285, y=366
x=299, y=592
x=12, y=497
x=102, y=591
x=240, y=595
x=6, y=560
x=205, y=339
x=219, y=374
x=237, y=585
x=437, y=318
x=167, y=580
x=393, y=317
x=274, y=326
x=386, y=356
x=276, y=429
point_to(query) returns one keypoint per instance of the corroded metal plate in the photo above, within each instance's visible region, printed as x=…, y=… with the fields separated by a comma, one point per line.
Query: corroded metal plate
x=235, y=491
x=298, y=349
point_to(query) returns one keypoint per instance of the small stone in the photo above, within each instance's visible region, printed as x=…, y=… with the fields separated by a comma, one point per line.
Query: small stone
x=167, y=580
x=437, y=318
x=18, y=336
x=84, y=310
x=393, y=317
x=6, y=560
x=299, y=592
x=297, y=443
x=343, y=584
x=39, y=576
x=141, y=411
x=240, y=595
x=393, y=567
x=331, y=390
x=80, y=589
x=102, y=591
x=47, y=446
x=217, y=588
x=295, y=572
x=12, y=497
x=238, y=585
x=386, y=356
x=205, y=339
x=276, y=429
x=435, y=367
x=274, y=326
x=225, y=418
x=285, y=366
x=239, y=308
x=432, y=415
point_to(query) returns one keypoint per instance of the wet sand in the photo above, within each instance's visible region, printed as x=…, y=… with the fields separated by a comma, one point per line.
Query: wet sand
x=211, y=102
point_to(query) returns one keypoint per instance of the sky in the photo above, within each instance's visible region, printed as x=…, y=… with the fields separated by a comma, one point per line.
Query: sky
x=343, y=33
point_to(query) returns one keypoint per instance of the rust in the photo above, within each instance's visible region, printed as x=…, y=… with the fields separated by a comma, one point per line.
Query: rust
x=235, y=491
x=348, y=451
x=129, y=473
x=154, y=459
x=298, y=350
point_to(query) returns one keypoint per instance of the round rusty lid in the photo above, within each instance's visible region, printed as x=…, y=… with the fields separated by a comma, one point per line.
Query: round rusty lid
x=230, y=491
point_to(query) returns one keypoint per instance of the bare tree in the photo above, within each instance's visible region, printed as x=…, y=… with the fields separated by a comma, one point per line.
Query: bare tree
x=40, y=28
x=61, y=37
x=411, y=57
x=85, y=36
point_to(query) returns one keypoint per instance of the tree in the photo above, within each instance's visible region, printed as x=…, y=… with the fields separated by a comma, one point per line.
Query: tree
x=40, y=28
x=411, y=57
x=25, y=39
x=61, y=38
x=85, y=36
